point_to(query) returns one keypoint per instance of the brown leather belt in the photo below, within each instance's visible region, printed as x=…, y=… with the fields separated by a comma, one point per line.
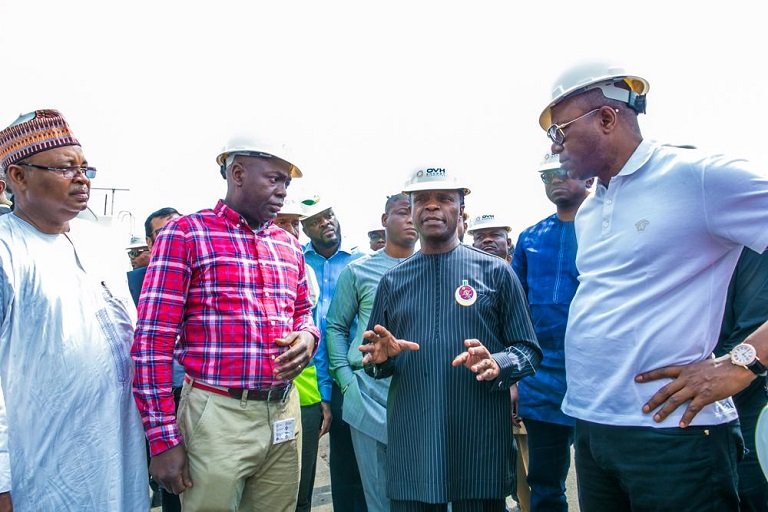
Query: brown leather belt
x=275, y=394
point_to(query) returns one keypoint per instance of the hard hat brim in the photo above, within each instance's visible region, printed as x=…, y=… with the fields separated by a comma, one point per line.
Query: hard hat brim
x=639, y=85
x=417, y=187
x=222, y=157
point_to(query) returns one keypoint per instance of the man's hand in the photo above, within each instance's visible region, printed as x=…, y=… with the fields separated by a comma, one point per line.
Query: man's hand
x=699, y=384
x=6, y=504
x=514, y=398
x=383, y=345
x=479, y=361
x=327, y=418
x=170, y=470
x=290, y=363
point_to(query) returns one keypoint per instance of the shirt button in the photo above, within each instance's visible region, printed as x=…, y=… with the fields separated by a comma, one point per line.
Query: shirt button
x=266, y=293
x=605, y=223
x=609, y=201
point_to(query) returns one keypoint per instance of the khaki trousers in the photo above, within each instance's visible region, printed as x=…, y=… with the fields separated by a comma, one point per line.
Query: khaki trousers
x=232, y=462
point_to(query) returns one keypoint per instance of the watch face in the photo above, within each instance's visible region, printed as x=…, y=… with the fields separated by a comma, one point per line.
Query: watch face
x=743, y=354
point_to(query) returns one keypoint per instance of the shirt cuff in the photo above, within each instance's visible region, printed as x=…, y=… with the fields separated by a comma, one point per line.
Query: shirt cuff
x=164, y=442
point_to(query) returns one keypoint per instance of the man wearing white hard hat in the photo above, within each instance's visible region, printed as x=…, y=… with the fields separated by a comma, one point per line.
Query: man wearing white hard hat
x=315, y=414
x=657, y=244
x=231, y=287
x=491, y=234
x=450, y=326
x=545, y=261
x=328, y=254
x=377, y=238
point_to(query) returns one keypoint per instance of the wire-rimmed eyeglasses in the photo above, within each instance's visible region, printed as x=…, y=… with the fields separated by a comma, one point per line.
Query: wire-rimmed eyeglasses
x=556, y=132
x=65, y=172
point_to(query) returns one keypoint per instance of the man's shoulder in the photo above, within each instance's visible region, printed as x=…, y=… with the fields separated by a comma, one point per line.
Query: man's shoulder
x=544, y=224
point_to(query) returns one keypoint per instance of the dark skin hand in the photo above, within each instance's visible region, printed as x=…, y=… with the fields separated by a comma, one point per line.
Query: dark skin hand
x=698, y=384
x=327, y=418
x=290, y=363
x=170, y=469
x=478, y=360
x=6, y=505
x=514, y=398
x=383, y=345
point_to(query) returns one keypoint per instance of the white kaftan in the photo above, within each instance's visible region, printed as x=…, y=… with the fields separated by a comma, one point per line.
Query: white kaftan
x=69, y=430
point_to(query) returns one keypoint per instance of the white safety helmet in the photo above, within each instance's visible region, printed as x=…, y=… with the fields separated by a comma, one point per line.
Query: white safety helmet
x=314, y=206
x=487, y=221
x=248, y=146
x=549, y=162
x=433, y=178
x=293, y=208
x=612, y=80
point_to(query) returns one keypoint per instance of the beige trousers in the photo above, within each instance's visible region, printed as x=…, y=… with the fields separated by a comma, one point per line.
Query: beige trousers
x=523, y=491
x=233, y=464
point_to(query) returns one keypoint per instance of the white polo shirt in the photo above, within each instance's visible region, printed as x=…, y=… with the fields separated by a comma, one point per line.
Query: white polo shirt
x=656, y=252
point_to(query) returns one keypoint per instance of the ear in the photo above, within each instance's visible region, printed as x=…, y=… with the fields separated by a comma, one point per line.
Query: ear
x=17, y=178
x=384, y=217
x=149, y=242
x=237, y=172
x=609, y=117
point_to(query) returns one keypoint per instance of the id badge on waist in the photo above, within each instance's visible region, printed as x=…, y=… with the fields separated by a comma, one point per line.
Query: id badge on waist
x=283, y=430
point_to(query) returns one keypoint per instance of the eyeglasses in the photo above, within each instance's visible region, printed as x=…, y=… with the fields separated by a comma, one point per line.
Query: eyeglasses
x=65, y=172
x=556, y=132
x=548, y=175
x=133, y=253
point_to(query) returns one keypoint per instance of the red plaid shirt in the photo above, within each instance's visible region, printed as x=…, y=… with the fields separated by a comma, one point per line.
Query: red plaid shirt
x=226, y=291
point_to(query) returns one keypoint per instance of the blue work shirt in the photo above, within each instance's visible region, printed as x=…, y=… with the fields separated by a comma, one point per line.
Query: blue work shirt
x=327, y=271
x=545, y=262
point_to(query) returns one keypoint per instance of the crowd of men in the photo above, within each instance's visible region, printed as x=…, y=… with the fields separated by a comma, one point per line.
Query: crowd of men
x=628, y=326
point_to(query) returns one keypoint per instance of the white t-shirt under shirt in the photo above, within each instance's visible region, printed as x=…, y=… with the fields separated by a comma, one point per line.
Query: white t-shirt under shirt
x=656, y=252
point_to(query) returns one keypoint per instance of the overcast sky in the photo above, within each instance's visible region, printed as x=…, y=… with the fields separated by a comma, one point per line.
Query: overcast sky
x=365, y=92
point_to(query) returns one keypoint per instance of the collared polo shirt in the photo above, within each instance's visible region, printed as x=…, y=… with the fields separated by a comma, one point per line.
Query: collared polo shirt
x=656, y=250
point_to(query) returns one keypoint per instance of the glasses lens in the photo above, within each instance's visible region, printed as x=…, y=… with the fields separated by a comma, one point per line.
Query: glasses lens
x=90, y=172
x=555, y=134
x=548, y=176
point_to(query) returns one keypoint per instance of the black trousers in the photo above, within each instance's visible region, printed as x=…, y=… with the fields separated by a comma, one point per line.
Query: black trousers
x=657, y=469
x=346, y=487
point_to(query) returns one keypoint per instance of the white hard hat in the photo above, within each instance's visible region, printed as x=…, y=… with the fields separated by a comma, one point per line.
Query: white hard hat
x=549, y=162
x=314, y=206
x=248, y=146
x=487, y=221
x=433, y=178
x=373, y=228
x=292, y=208
x=612, y=80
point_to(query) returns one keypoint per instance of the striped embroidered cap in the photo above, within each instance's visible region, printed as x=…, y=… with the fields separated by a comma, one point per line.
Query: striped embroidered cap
x=33, y=133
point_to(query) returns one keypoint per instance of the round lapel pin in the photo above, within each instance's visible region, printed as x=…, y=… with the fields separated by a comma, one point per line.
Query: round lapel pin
x=465, y=294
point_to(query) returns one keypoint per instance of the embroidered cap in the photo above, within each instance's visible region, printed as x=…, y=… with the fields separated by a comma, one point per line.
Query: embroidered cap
x=33, y=133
